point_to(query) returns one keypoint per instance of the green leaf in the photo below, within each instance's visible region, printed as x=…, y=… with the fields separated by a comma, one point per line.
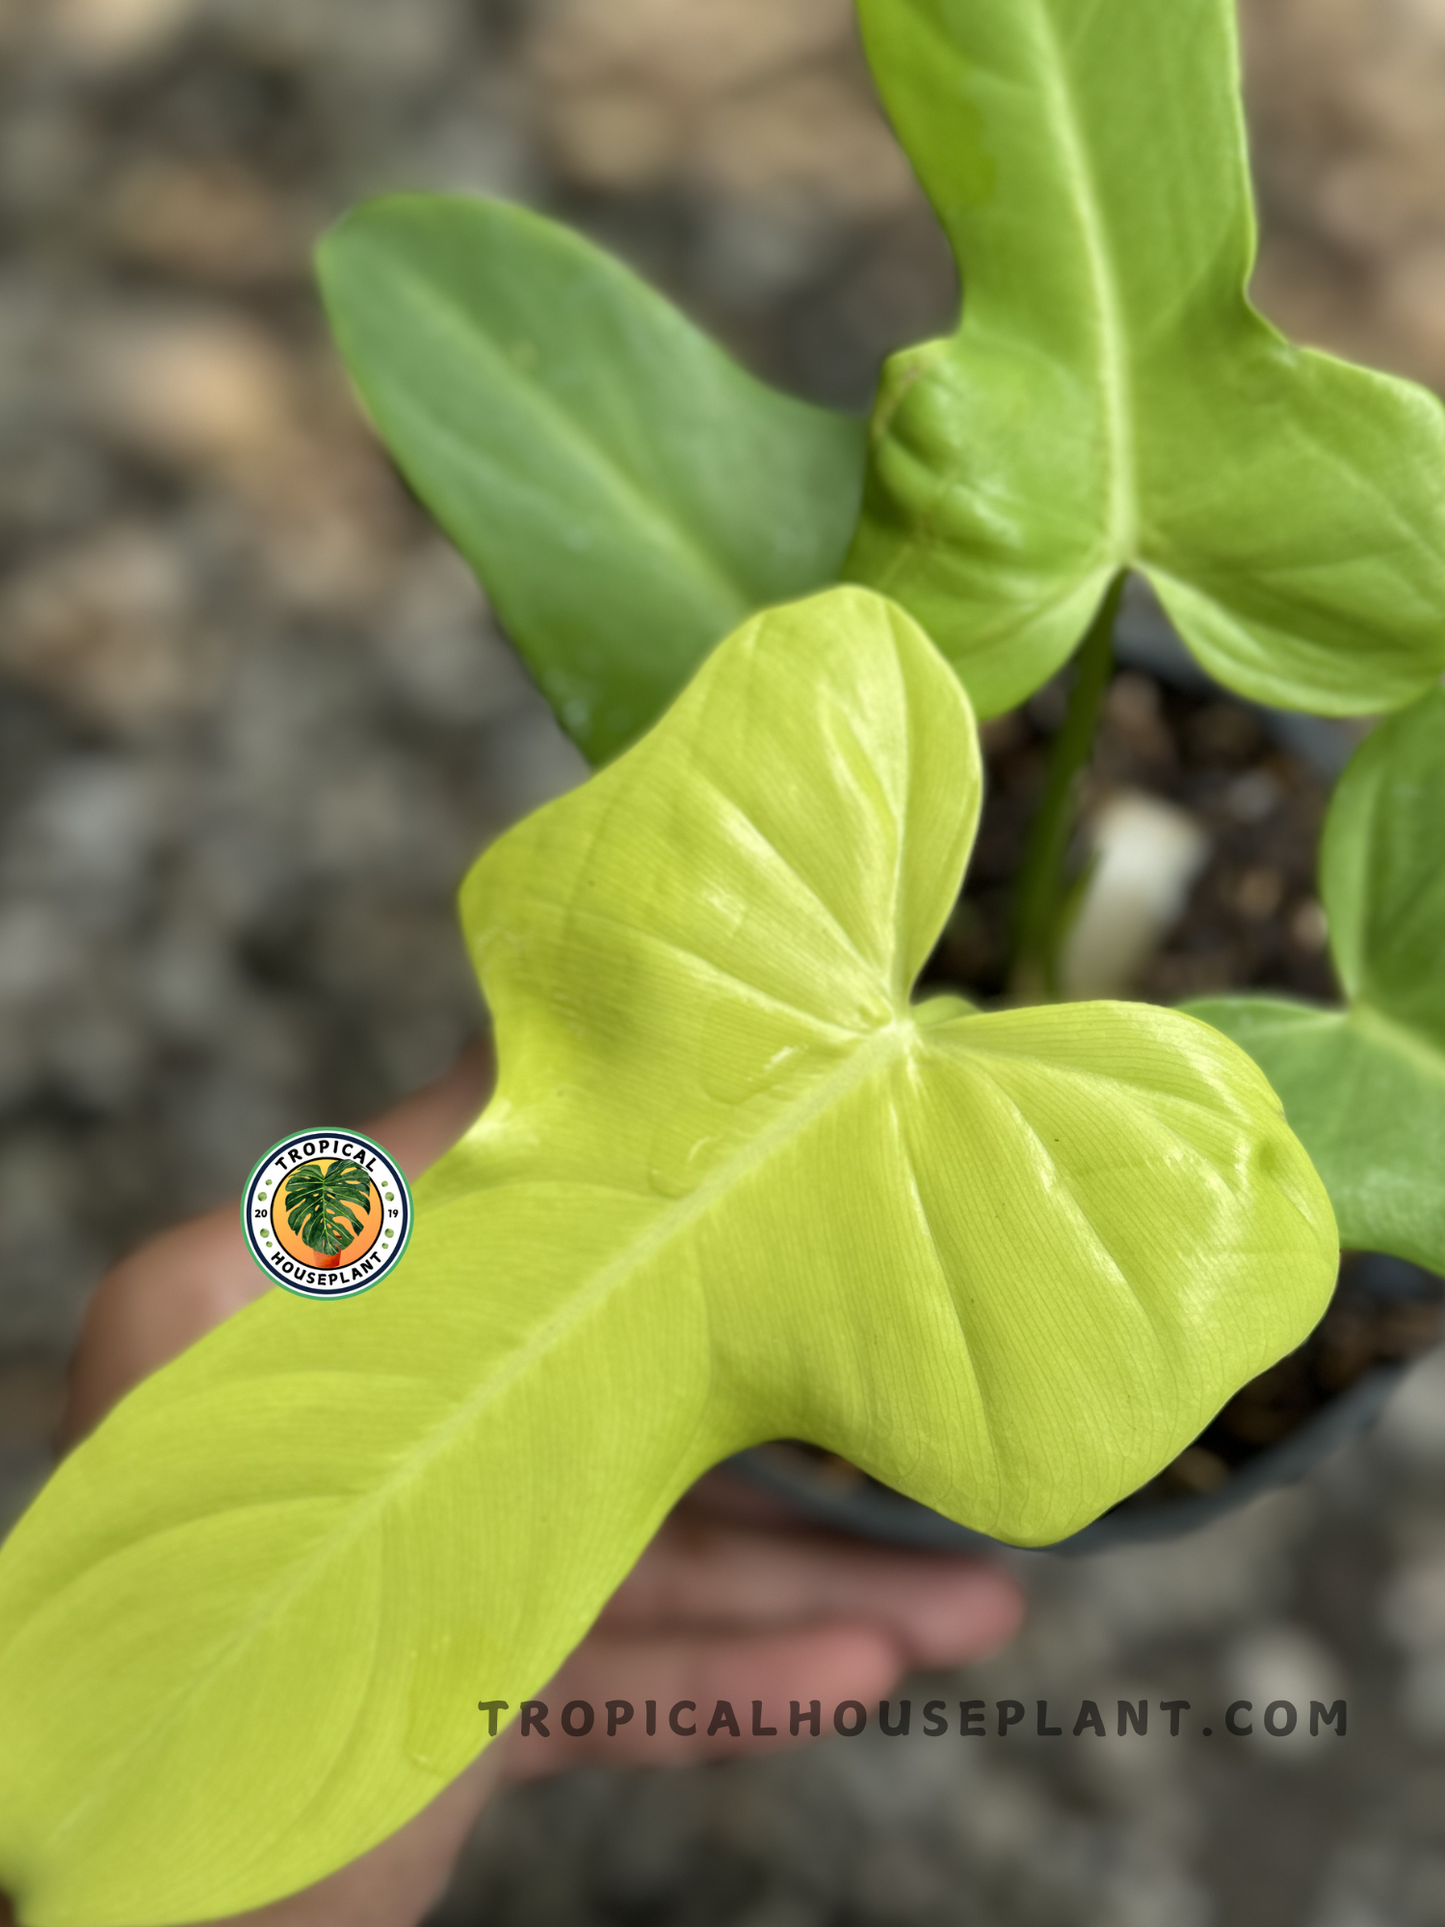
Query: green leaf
x=1365, y=1087
x=626, y=493
x=733, y=1185
x=1111, y=401
x=317, y=1201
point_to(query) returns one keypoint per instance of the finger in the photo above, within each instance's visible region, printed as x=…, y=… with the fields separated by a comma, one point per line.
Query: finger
x=689, y=1678
x=704, y=1572
x=150, y=1307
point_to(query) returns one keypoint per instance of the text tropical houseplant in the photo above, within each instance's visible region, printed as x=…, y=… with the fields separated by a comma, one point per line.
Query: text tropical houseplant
x=735, y=1184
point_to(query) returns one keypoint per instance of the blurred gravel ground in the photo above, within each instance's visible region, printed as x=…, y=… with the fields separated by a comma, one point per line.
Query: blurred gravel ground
x=255, y=721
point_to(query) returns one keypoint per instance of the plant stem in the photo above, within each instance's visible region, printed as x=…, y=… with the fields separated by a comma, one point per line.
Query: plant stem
x=1039, y=896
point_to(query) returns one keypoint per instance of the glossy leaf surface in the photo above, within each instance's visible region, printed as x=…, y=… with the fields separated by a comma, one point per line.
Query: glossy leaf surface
x=625, y=492
x=1111, y=400
x=1365, y=1086
x=733, y=1186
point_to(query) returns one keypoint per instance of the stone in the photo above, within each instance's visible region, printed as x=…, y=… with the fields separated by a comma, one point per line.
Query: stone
x=1412, y=1427
x=1284, y=1661
x=677, y=48
x=188, y=384
x=1146, y=856
x=1345, y=100
x=743, y=99
x=1412, y=1610
x=110, y=33
x=439, y=648
x=108, y=626
x=817, y=136
x=376, y=44
x=47, y=1261
x=210, y=221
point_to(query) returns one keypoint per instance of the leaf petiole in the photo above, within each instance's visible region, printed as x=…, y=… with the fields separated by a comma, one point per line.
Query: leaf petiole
x=1039, y=899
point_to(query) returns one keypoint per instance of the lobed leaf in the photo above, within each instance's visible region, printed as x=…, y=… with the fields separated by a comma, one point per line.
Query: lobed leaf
x=733, y=1185
x=1365, y=1086
x=625, y=492
x=1111, y=400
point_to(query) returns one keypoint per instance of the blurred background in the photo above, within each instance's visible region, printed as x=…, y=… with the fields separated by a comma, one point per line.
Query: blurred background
x=255, y=722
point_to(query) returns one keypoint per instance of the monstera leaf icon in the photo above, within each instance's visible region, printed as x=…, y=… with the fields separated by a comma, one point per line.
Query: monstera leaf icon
x=319, y=1198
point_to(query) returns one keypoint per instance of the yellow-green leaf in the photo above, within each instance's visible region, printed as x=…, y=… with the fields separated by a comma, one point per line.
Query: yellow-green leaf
x=733, y=1185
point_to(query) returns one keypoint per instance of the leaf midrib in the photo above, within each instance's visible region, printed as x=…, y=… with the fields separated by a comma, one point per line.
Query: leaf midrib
x=1122, y=514
x=873, y=1053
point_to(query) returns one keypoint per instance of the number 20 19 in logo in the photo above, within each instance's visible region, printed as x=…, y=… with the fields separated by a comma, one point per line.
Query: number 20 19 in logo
x=326, y=1213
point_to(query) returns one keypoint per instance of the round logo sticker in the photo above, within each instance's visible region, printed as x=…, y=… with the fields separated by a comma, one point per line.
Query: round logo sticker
x=326, y=1213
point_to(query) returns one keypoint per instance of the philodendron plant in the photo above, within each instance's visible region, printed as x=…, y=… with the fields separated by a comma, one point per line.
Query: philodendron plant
x=736, y=1183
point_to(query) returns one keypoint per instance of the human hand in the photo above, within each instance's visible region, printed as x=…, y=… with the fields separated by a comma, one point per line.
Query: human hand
x=733, y=1600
